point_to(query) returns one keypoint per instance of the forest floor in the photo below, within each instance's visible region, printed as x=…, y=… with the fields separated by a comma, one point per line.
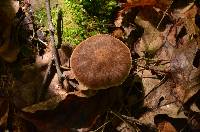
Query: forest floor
x=161, y=92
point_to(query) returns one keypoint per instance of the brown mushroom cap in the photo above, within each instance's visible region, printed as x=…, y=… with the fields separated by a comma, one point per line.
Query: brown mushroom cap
x=100, y=62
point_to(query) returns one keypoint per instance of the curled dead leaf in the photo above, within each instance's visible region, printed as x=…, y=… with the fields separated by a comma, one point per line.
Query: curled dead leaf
x=44, y=105
x=73, y=113
x=8, y=49
x=3, y=113
x=166, y=126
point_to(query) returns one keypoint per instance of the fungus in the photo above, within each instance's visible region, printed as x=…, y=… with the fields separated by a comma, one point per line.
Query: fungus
x=100, y=62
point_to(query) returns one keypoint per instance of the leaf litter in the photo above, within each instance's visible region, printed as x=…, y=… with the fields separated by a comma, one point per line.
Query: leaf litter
x=161, y=91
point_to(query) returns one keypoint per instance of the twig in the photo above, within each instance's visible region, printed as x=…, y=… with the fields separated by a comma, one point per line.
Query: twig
x=164, y=14
x=65, y=68
x=133, y=120
x=134, y=129
x=164, y=79
x=42, y=42
x=59, y=26
x=98, y=129
x=72, y=84
x=43, y=85
x=54, y=50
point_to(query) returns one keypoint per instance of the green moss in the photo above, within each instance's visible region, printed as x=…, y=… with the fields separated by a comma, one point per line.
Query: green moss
x=41, y=17
x=81, y=19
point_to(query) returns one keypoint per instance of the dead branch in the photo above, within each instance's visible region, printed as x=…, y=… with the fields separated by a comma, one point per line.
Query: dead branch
x=52, y=40
x=43, y=89
x=59, y=27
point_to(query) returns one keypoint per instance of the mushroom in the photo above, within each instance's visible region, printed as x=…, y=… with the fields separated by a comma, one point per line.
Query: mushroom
x=100, y=62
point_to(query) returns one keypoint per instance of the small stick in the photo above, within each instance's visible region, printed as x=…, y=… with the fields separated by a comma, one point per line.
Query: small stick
x=54, y=55
x=164, y=14
x=134, y=128
x=42, y=42
x=59, y=27
x=65, y=68
x=43, y=85
x=52, y=40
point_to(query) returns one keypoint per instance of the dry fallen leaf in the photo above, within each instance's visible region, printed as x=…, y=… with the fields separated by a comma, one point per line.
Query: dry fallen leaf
x=166, y=127
x=8, y=49
x=73, y=113
x=3, y=113
x=149, y=81
x=26, y=88
x=44, y=105
x=168, y=109
x=141, y=2
x=179, y=49
x=151, y=40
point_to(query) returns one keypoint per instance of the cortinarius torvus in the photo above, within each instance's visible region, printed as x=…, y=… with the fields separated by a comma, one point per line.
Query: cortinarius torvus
x=100, y=62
